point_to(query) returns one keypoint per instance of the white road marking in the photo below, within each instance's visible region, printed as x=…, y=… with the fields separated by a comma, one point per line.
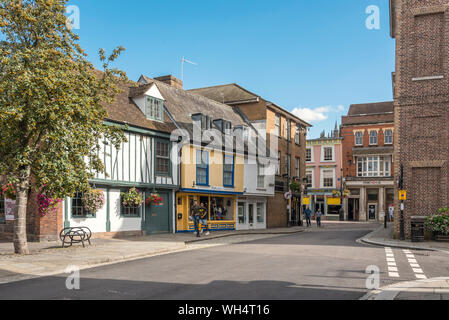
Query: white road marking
x=419, y=273
x=391, y=261
x=393, y=269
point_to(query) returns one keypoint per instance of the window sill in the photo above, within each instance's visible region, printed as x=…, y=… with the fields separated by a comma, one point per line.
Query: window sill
x=124, y=217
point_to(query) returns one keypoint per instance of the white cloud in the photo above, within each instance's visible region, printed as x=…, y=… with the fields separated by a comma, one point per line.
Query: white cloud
x=317, y=114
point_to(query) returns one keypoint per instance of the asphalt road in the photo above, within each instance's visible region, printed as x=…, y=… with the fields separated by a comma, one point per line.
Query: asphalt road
x=325, y=264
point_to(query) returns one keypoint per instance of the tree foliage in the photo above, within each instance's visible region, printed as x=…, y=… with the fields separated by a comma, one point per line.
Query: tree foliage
x=51, y=98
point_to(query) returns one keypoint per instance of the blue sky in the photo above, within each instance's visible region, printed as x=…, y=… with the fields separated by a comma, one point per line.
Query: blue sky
x=314, y=58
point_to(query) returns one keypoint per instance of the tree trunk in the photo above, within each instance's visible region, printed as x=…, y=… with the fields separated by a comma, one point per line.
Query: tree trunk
x=20, y=232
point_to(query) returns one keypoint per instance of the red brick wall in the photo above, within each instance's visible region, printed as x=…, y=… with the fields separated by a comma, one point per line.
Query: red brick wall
x=349, y=143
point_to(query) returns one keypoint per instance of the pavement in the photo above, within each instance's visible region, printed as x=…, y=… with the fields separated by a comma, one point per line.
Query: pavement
x=428, y=289
x=384, y=237
x=48, y=258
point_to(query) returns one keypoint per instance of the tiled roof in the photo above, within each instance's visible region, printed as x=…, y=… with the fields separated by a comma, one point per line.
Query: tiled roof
x=124, y=110
x=371, y=108
x=228, y=93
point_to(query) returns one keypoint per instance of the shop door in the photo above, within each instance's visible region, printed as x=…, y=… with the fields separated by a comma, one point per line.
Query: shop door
x=251, y=215
x=372, y=211
x=157, y=217
x=242, y=217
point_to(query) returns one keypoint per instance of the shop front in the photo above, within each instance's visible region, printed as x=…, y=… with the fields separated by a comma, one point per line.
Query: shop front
x=369, y=200
x=325, y=201
x=221, y=210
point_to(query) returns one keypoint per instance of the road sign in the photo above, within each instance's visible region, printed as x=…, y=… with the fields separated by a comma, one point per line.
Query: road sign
x=402, y=195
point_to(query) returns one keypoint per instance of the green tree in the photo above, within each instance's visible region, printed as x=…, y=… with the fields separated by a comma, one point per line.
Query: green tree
x=52, y=105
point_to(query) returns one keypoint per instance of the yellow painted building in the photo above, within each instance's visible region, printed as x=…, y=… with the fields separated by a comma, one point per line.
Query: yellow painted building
x=211, y=177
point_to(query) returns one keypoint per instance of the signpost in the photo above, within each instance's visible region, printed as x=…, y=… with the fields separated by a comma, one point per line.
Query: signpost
x=402, y=198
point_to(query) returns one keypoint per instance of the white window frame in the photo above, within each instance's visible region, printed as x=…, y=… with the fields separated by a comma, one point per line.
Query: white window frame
x=377, y=163
x=311, y=155
x=297, y=167
x=377, y=138
x=355, y=138
x=334, y=182
x=333, y=153
x=312, y=171
x=260, y=176
x=277, y=124
x=385, y=136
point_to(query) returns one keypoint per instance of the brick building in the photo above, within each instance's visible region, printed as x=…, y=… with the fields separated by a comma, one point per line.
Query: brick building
x=368, y=139
x=289, y=132
x=421, y=97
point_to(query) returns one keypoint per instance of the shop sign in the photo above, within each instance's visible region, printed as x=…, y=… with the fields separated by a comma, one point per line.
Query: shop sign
x=306, y=201
x=334, y=201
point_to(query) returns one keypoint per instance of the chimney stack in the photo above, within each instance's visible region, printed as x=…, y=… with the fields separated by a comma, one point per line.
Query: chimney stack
x=171, y=81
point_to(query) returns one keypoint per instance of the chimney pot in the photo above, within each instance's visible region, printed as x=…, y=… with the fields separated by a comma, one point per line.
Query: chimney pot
x=171, y=81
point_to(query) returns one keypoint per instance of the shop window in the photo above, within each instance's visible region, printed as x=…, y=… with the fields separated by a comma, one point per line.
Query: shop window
x=241, y=213
x=260, y=213
x=78, y=210
x=221, y=209
x=332, y=209
x=355, y=192
x=2, y=209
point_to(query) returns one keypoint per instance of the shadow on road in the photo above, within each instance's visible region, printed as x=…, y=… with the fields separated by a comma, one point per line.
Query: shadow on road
x=54, y=288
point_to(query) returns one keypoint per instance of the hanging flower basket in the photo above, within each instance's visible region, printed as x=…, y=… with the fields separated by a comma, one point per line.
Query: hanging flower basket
x=346, y=193
x=9, y=192
x=93, y=200
x=154, y=199
x=46, y=203
x=132, y=198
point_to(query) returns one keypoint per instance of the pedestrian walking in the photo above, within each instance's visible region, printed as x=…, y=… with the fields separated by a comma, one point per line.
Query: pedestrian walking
x=308, y=213
x=195, y=214
x=203, y=219
x=391, y=213
x=318, y=215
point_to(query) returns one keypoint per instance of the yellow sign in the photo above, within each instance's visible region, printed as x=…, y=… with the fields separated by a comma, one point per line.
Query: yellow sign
x=402, y=195
x=306, y=201
x=334, y=201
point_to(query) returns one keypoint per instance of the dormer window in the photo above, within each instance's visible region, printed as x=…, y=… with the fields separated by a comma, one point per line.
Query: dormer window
x=154, y=109
x=204, y=121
